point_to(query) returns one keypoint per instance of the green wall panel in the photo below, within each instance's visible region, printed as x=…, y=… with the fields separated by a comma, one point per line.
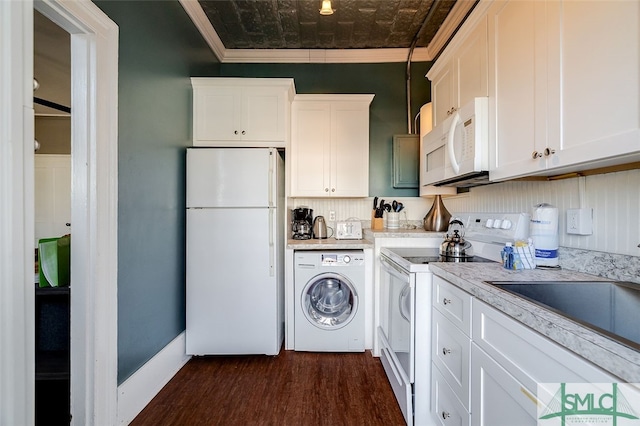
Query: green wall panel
x=159, y=49
x=388, y=109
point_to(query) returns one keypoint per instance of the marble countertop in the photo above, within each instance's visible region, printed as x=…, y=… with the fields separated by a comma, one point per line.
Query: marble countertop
x=329, y=244
x=612, y=356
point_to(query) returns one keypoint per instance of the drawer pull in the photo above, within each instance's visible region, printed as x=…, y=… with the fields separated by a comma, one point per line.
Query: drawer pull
x=446, y=301
x=446, y=351
x=445, y=415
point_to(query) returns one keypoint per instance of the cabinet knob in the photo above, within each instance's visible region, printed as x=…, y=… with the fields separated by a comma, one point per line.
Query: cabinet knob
x=243, y=132
x=333, y=190
x=549, y=151
x=445, y=415
x=446, y=351
x=536, y=154
x=235, y=132
x=67, y=224
x=326, y=190
x=446, y=301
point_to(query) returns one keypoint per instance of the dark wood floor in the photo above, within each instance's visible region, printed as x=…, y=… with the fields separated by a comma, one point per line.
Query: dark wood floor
x=293, y=388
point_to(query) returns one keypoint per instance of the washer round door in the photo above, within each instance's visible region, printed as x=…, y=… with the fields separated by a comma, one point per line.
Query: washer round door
x=329, y=301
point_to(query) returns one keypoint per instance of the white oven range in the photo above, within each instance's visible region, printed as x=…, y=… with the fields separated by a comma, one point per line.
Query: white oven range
x=404, y=334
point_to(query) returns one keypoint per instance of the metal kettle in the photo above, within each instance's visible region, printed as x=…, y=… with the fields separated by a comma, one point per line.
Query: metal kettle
x=454, y=248
x=319, y=228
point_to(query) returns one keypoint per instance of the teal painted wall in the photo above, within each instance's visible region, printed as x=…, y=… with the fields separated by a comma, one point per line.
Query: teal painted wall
x=159, y=50
x=388, y=109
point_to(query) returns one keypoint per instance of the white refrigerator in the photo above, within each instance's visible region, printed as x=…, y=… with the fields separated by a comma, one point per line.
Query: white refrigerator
x=235, y=251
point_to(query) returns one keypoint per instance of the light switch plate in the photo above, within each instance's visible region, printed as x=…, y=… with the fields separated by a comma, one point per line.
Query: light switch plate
x=580, y=221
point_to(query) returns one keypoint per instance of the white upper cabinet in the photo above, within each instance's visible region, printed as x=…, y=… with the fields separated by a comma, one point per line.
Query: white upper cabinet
x=241, y=111
x=599, y=82
x=518, y=81
x=563, y=96
x=460, y=74
x=329, y=155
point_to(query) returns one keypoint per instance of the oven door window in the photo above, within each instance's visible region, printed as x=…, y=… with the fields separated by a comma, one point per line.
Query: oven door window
x=399, y=326
x=329, y=301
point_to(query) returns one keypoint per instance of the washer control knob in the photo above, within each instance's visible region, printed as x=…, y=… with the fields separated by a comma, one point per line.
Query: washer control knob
x=346, y=259
x=489, y=223
x=497, y=223
x=506, y=224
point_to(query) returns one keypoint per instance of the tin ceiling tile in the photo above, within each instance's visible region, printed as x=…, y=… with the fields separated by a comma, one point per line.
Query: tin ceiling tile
x=298, y=24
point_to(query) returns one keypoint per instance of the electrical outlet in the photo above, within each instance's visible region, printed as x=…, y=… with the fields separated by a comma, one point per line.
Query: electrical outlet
x=580, y=221
x=332, y=216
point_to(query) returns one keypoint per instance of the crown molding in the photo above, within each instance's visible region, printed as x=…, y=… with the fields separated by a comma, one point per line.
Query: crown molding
x=314, y=56
x=202, y=23
x=449, y=26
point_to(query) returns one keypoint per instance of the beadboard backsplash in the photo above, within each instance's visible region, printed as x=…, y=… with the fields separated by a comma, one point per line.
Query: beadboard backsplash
x=614, y=198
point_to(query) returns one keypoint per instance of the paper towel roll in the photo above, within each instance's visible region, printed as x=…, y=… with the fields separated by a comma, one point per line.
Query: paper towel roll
x=544, y=233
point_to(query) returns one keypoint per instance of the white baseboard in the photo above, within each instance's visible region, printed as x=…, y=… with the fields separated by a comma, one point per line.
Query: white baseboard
x=139, y=389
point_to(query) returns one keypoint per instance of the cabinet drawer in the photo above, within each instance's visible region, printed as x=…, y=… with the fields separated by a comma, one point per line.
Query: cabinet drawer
x=453, y=303
x=450, y=353
x=532, y=356
x=446, y=409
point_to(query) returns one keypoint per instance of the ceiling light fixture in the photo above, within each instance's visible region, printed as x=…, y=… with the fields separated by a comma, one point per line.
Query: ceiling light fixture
x=326, y=8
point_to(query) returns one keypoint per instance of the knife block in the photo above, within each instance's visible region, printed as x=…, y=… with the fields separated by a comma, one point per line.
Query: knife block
x=376, y=222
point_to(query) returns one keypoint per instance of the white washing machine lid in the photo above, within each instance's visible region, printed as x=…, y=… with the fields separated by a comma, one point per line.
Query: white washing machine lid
x=329, y=301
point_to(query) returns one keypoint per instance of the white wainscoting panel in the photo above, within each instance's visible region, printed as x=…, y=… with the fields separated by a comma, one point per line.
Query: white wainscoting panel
x=614, y=198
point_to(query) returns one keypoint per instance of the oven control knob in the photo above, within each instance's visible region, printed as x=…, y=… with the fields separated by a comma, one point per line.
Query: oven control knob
x=506, y=224
x=346, y=259
x=497, y=223
x=489, y=223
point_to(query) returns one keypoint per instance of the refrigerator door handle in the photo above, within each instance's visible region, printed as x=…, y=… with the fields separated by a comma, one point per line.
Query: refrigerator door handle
x=272, y=251
x=272, y=162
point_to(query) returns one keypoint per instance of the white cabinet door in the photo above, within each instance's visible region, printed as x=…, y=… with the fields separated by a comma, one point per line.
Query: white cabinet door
x=461, y=73
x=310, y=148
x=499, y=399
x=349, y=150
x=217, y=112
x=471, y=65
x=554, y=108
x=241, y=112
x=600, y=110
x=517, y=70
x=442, y=94
x=263, y=114
x=330, y=146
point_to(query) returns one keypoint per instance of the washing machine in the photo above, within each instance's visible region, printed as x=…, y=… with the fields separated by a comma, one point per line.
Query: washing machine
x=329, y=297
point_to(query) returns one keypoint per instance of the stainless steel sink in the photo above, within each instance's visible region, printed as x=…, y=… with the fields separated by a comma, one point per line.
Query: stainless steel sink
x=611, y=308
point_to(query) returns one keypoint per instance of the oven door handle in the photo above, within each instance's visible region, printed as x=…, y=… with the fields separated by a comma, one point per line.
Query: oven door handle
x=404, y=311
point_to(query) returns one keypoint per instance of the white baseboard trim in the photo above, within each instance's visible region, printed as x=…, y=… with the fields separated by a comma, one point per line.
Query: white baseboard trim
x=139, y=389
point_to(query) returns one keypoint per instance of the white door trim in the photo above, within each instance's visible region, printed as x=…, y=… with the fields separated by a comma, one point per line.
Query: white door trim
x=94, y=52
x=16, y=214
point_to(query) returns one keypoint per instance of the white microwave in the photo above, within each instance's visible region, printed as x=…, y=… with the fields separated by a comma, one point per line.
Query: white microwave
x=456, y=152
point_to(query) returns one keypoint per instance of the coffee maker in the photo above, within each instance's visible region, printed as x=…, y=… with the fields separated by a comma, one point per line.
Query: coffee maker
x=301, y=223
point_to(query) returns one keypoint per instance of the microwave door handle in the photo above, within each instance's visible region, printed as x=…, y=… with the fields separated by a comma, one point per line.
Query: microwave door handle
x=452, y=155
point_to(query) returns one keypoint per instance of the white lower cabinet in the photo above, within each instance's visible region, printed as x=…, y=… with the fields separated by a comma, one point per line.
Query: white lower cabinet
x=450, y=354
x=489, y=374
x=508, y=360
x=500, y=399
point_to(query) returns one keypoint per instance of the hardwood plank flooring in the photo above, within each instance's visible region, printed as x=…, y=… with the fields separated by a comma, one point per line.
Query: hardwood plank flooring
x=293, y=388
